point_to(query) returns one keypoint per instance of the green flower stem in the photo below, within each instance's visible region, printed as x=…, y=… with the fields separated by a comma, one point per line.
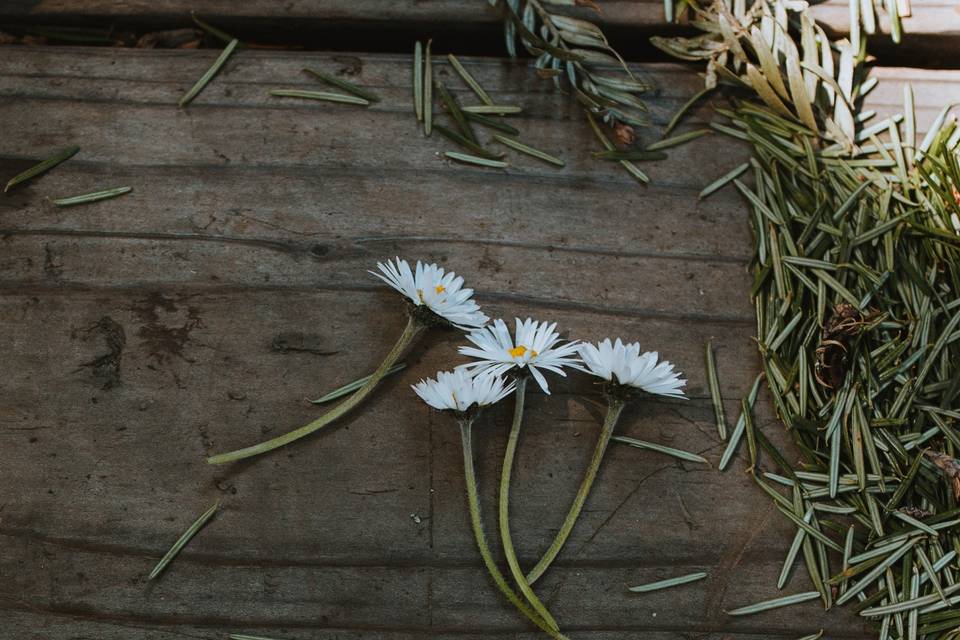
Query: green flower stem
x=505, y=536
x=410, y=334
x=614, y=408
x=473, y=502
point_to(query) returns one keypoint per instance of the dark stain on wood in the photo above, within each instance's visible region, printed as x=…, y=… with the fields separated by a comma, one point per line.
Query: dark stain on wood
x=297, y=342
x=166, y=326
x=351, y=65
x=105, y=368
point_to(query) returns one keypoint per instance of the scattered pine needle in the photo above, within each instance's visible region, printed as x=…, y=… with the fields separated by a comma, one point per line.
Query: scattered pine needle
x=670, y=451
x=42, y=167
x=776, y=603
x=715, y=395
x=493, y=109
x=675, y=120
x=183, y=540
x=678, y=139
x=223, y=36
x=209, y=74
x=350, y=387
x=530, y=151
x=418, y=81
x=428, y=90
x=349, y=87
x=724, y=180
x=630, y=154
x=96, y=196
x=668, y=583
x=493, y=123
x=469, y=79
x=469, y=145
x=463, y=157
x=319, y=95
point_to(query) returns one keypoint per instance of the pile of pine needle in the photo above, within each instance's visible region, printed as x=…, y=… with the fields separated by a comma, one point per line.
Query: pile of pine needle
x=856, y=286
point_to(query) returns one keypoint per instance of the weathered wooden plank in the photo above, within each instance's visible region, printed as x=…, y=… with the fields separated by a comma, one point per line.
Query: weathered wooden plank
x=300, y=209
x=240, y=288
x=455, y=598
x=928, y=18
x=121, y=469
x=80, y=626
x=524, y=275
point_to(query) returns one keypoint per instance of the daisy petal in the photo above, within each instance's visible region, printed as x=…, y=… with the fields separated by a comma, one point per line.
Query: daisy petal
x=626, y=365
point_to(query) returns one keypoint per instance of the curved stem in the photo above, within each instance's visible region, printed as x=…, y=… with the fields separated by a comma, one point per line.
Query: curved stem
x=505, y=536
x=410, y=333
x=470, y=477
x=614, y=407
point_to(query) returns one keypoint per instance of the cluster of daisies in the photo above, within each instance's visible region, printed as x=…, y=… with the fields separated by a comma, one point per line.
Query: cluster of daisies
x=501, y=365
x=534, y=346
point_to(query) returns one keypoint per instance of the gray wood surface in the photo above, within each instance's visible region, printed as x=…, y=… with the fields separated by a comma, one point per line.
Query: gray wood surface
x=928, y=16
x=194, y=316
x=933, y=26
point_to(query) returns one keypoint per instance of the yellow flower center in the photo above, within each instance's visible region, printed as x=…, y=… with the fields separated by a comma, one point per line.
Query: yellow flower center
x=520, y=351
x=440, y=288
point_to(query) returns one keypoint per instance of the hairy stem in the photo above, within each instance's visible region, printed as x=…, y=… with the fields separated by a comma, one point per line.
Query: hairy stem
x=410, y=334
x=614, y=408
x=505, y=537
x=473, y=502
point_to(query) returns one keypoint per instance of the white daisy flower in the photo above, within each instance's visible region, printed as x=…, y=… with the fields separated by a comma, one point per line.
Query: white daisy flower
x=630, y=367
x=535, y=347
x=431, y=287
x=459, y=389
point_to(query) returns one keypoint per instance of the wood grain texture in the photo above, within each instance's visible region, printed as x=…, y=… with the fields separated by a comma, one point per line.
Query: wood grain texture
x=929, y=17
x=195, y=315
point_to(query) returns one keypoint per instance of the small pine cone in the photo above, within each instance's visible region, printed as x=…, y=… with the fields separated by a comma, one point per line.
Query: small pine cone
x=624, y=134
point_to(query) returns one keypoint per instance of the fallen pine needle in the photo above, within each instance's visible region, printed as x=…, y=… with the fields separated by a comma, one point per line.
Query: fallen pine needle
x=319, y=95
x=678, y=139
x=530, y=151
x=212, y=30
x=208, y=75
x=776, y=603
x=349, y=87
x=714, y=384
x=630, y=154
x=493, y=123
x=463, y=157
x=495, y=109
x=105, y=194
x=41, y=167
x=418, y=81
x=723, y=180
x=670, y=582
x=183, y=540
x=469, y=145
x=428, y=90
x=670, y=451
x=353, y=386
x=469, y=79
